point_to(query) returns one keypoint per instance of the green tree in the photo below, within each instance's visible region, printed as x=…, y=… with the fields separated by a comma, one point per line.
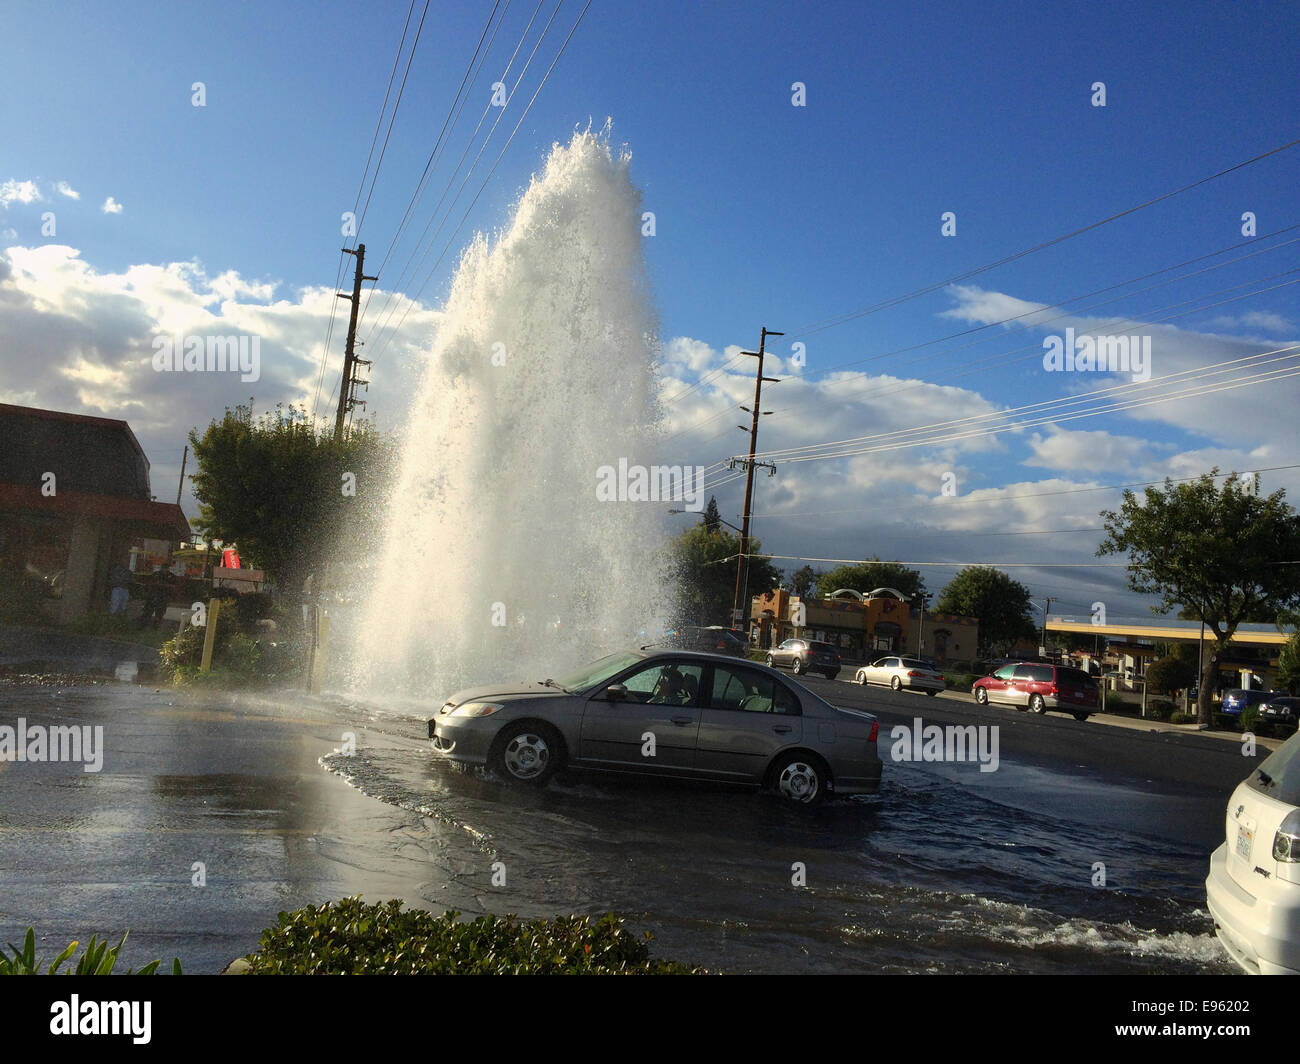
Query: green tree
x=869, y=575
x=1166, y=675
x=704, y=564
x=1288, y=664
x=1000, y=603
x=803, y=581
x=282, y=489
x=712, y=520
x=1215, y=552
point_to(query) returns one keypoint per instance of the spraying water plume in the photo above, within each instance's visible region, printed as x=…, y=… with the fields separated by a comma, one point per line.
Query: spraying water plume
x=499, y=560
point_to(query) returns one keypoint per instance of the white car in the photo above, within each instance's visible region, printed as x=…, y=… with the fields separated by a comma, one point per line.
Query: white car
x=1253, y=889
x=903, y=672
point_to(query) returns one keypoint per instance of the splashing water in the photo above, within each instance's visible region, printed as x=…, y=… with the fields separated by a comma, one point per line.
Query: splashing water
x=499, y=561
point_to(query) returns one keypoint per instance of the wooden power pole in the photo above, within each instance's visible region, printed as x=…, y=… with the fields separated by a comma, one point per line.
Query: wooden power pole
x=348, y=383
x=742, y=563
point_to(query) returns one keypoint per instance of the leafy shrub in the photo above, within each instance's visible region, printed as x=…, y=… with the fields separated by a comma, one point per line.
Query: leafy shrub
x=351, y=938
x=1160, y=709
x=1182, y=718
x=1223, y=722
x=1249, y=720
x=99, y=959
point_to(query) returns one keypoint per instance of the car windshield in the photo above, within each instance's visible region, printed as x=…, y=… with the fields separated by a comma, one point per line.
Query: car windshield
x=598, y=672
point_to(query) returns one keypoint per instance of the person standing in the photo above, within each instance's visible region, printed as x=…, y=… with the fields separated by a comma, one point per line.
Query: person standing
x=119, y=580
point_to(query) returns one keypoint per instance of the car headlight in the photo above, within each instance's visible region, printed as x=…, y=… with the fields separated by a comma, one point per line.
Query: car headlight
x=477, y=709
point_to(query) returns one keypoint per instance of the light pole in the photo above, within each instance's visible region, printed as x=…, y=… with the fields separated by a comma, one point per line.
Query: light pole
x=920, y=627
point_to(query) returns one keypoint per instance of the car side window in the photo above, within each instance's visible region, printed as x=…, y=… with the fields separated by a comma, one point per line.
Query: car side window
x=747, y=691
x=1006, y=672
x=665, y=684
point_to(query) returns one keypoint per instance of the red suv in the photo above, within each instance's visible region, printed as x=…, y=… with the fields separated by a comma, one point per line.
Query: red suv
x=1040, y=688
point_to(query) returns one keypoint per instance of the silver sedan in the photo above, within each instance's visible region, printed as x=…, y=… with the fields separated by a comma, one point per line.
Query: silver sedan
x=668, y=713
x=899, y=673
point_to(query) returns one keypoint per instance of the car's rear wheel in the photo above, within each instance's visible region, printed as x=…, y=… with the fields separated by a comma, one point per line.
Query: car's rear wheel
x=832, y=673
x=981, y=696
x=1081, y=716
x=931, y=693
x=1036, y=704
x=895, y=683
x=797, y=666
x=860, y=679
x=528, y=753
x=800, y=779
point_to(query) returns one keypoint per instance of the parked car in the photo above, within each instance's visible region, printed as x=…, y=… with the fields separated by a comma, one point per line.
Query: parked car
x=806, y=655
x=713, y=640
x=898, y=673
x=1235, y=699
x=1281, y=709
x=711, y=718
x=1039, y=688
x=1253, y=889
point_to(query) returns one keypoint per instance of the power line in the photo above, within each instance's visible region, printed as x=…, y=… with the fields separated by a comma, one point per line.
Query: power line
x=829, y=323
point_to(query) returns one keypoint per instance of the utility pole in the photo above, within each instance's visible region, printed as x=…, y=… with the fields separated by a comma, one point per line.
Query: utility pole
x=181, y=486
x=1046, y=609
x=350, y=360
x=742, y=563
x=920, y=627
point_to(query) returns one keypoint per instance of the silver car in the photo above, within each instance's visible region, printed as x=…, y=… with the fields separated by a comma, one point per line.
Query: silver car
x=671, y=713
x=896, y=672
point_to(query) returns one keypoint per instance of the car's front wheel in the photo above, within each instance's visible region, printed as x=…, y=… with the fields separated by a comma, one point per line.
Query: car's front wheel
x=860, y=679
x=800, y=779
x=529, y=753
x=770, y=663
x=981, y=696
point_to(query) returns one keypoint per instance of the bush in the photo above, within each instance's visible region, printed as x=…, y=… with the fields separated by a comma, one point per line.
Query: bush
x=1160, y=709
x=1249, y=720
x=99, y=959
x=1182, y=718
x=350, y=938
x=241, y=655
x=1223, y=722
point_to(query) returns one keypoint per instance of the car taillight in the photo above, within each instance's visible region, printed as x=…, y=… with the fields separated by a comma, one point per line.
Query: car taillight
x=913, y=672
x=1286, y=847
x=875, y=730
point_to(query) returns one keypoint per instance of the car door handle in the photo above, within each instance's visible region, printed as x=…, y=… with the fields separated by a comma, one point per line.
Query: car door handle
x=781, y=729
x=681, y=721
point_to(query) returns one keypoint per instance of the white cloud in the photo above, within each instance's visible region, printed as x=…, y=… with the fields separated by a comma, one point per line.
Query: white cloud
x=1254, y=319
x=19, y=192
x=111, y=206
x=64, y=189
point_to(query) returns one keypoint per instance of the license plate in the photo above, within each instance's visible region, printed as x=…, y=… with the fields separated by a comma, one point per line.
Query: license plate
x=1245, y=836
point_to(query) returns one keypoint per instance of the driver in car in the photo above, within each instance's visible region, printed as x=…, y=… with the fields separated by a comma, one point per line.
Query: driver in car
x=671, y=689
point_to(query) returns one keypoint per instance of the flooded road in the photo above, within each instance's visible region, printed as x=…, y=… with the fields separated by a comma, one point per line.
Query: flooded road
x=945, y=870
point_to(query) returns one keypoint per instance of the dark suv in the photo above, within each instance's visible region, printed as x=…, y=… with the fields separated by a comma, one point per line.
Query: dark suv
x=715, y=640
x=1040, y=687
x=806, y=655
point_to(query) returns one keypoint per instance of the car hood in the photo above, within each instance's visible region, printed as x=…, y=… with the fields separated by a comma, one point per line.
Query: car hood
x=508, y=690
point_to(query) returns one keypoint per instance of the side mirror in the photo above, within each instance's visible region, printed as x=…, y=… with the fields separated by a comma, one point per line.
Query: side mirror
x=616, y=692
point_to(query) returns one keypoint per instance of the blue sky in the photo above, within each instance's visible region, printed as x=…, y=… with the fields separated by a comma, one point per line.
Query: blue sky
x=766, y=214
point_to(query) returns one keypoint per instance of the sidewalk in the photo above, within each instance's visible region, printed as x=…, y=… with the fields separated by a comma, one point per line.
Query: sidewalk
x=55, y=649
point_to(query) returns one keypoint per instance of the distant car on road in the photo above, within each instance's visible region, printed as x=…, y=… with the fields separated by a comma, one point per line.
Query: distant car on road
x=1039, y=687
x=806, y=655
x=663, y=712
x=899, y=673
x=1282, y=709
x=1253, y=889
x=1235, y=699
x=713, y=640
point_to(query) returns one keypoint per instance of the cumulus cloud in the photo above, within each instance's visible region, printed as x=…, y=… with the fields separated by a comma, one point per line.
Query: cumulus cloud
x=64, y=189
x=19, y=192
x=79, y=339
x=1255, y=319
x=111, y=206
